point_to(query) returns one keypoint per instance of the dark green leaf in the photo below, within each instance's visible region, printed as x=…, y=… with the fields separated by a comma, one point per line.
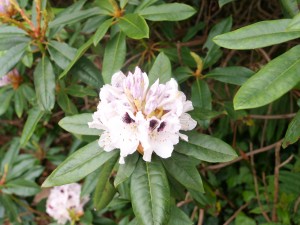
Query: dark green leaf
x=293, y=132
x=161, y=69
x=114, y=56
x=167, y=12
x=21, y=187
x=44, y=80
x=101, y=31
x=178, y=217
x=10, y=155
x=271, y=82
x=224, y=2
x=258, y=35
x=34, y=116
x=5, y=98
x=78, y=124
x=79, y=164
x=206, y=148
x=61, y=53
x=66, y=104
x=11, y=36
x=201, y=114
x=290, y=7
x=134, y=26
x=294, y=24
x=150, y=193
x=19, y=102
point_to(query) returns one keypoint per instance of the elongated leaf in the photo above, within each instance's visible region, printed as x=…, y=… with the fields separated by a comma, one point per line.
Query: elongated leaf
x=232, y=74
x=257, y=35
x=167, y=12
x=70, y=18
x=78, y=165
x=114, y=56
x=90, y=183
x=178, y=217
x=78, y=124
x=10, y=208
x=271, y=82
x=61, y=53
x=104, y=191
x=206, y=148
x=21, y=187
x=294, y=24
x=293, y=132
x=161, y=69
x=11, y=57
x=44, y=80
x=11, y=155
x=65, y=103
x=224, y=2
x=290, y=7
x=150, y=193
x=5, y=98
x=101, y=31
x=185, y=172
x=125, y=170
x=134, y=26
x=34, y=116
x=19, y=102
x=201, y=114
x=11, y=36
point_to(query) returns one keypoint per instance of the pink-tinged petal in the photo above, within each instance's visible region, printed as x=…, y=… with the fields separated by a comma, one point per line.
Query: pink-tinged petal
x=187, y=123
x=183, y=137
x=105, y=142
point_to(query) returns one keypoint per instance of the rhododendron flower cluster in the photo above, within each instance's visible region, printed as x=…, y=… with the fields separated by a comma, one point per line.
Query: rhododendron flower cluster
x=5, y=7
x=13, y=77
x=136, y=117
x=64, y=203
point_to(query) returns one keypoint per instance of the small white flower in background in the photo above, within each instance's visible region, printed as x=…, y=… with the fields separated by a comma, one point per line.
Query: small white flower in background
x=5, y=6
x=13, y=77
x=64, y=203
x=137, y=118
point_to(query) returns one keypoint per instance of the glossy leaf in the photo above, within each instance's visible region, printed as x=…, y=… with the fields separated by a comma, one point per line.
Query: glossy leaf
x=34, y=116
x=101, y=31
x=11, y=36
x=167, y=12
x=258, y=35
x=150, y=193
x=78, y=124
x=11, y=57
x=44, y=80
x=81, y=163
x=271, y=82
x=161, y=69
x=206, y=148
x=185, y=172
x=201, y=114
x=114, y=56
x=295, y=23
x=134, y=26
x=21, y=187
x=232, y=74
x=125, y=170
x=104, y=191
x=178, y=217
x=293, y=132
x=61, y=53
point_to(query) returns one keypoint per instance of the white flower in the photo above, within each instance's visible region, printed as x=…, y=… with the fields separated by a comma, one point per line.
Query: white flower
x=64, y=203
x=136, y=117
x=13, y=77
x=5, y=6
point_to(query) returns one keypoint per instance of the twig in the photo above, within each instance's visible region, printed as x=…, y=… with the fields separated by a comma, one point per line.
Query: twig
x=201, y=217
x=184, y=202
x=265, y=55
x=273, y=117
x=265, y=127
x=254, y=152
x=236, y=213
x=256, y=186
x=286, y=161
x=276, y=182
x=194, y=213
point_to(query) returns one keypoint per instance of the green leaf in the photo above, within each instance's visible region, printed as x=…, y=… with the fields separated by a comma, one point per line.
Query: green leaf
x=206, y=148
x=11, y=36
x=290, y=7
x=65, y=103
x=114, y=56
x=201, y=114
x=44, y=80
x=34, y=116
x=161, y=69
x=294, y=24
x=11, y=155
x=77, y=90
x=81, y=163
x=293, y=132
x=5, y=98
x=11, y=57
x=90, y=183
x=21, y=187
x=167, y=12
x=258, y=35
x=61, y=53
x=185, y=172
x=101, y=31
x=19, y=102
x=178, y=217
x=10, y=208
x=70, y=18
x=78, y=124
x=150, y=193
x=125, y=170
x=243, y=219
x=275, y=79
x=104, y=191
x=134, y=26
x=232, y=74
x=224, y=2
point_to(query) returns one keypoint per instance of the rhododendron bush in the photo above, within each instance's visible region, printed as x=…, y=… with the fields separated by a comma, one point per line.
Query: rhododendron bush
x=148, y=112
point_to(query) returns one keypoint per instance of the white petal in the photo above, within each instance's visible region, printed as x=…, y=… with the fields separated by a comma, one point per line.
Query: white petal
x=117, y=79
x=105, y=142
x=147, y=155
x=187, y=123
x=121, y=160
x=183, y=137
